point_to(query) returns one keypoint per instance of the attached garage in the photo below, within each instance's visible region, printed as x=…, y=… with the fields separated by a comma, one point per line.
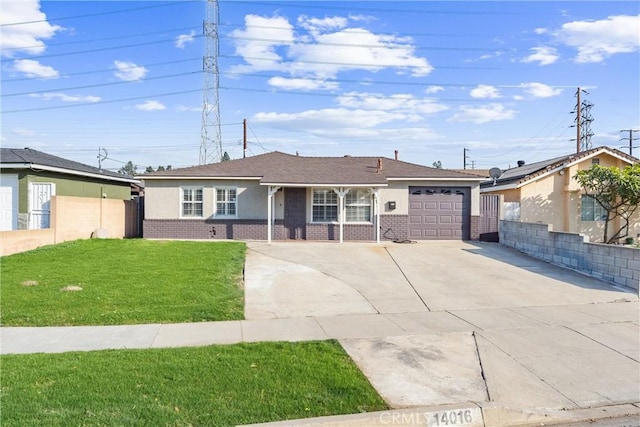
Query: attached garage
x=439, y=213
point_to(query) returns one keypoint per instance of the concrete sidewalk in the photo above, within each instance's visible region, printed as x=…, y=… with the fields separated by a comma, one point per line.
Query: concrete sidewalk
x=518, y=342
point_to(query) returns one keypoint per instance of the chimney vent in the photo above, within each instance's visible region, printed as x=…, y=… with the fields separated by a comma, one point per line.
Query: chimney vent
x=396, y=154
x=521, y=163
x=379, y=165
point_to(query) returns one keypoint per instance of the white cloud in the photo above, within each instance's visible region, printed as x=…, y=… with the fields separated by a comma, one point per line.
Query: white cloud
x=271, y=44
x=23, y=132
x=541, y=31
x=65, y=97
x=542, y=55
x=484, y=92
x=258, y=42
x=183, y=39
x=540, y=90
x=183, y=108
x=128, y=71
x=302, y=84
x=31, y=68
x=404, y=103
x=328, y=118
x=327, y=23
x=151, y=106
x=483, y=114
x=598, y=40
x=26, y=38
x=433, y=89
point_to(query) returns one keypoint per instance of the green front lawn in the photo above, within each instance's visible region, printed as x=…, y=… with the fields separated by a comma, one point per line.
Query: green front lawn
x=207, y=386
x=122, y=282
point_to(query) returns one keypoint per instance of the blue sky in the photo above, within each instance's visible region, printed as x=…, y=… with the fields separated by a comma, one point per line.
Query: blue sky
x=321, y=78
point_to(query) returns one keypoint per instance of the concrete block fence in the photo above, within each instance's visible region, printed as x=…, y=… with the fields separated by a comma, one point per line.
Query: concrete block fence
x=613, y=263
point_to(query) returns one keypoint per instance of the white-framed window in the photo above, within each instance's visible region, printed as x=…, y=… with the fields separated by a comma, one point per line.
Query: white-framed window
x=226, y=202
x=325, y=205
x=358, y=206
x=591, y=210
x=191, y=202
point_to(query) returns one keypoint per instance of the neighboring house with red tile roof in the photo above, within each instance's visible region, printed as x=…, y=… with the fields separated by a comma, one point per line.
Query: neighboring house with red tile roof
x=281, y=196
x=547, y=192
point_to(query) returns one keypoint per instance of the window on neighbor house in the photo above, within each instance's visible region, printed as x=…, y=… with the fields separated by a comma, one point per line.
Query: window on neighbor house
x=192, y=202
x=595, y=161
x=226, y=202
x=358, y=206
x=590, y=210
x=325, y=206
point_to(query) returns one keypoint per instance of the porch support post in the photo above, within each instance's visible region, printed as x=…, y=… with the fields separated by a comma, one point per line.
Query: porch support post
x=376, y=210
x=341, y=192
x=270, y=192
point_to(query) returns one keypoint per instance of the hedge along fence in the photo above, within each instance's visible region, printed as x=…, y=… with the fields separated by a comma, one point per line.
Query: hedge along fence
x=613, y=263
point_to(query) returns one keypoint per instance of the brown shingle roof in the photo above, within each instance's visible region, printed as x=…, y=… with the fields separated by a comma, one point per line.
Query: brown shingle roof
x=281, y=168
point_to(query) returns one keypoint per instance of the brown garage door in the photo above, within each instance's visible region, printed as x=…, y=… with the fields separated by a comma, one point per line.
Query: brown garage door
x=439, y=213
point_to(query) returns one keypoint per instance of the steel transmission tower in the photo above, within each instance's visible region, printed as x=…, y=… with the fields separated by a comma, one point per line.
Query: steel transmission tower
x=211, y=145
x=583, y=122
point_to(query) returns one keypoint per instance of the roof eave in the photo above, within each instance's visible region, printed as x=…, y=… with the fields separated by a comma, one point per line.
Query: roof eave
x=328, y=185
x=67, y=171
x=194, y=177
x=470, y=179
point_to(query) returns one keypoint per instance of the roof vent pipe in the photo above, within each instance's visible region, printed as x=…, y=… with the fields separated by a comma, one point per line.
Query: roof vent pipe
x=520, y=163
x=379, y=165
x=396, y=154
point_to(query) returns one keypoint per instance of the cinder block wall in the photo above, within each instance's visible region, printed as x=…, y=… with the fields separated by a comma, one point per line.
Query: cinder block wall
x=613, y=263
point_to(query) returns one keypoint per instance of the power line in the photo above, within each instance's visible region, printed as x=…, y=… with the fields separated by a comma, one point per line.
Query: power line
x=88, y=15
x=100, y=84
x=81, y=104
x=109, y=70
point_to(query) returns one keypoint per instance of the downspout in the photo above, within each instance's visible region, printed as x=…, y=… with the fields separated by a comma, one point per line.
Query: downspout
x=376, y=210
x=270, y=192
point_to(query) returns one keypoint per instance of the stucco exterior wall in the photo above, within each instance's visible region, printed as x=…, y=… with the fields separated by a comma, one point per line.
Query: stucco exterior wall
x=163, y=199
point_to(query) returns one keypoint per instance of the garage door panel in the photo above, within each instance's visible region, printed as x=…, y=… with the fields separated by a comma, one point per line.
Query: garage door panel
x=439, y=213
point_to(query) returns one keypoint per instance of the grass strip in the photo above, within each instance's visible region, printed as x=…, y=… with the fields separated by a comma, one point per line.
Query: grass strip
x=114, y=282
x=212, y=386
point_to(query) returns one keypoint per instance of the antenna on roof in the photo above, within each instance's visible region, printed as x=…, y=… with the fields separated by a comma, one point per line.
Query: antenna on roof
x=495, y=173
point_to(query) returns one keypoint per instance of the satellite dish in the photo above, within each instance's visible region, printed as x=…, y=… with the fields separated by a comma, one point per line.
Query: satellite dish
x=495, y=173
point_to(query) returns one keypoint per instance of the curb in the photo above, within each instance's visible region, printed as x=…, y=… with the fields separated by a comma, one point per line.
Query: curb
x=467, y=415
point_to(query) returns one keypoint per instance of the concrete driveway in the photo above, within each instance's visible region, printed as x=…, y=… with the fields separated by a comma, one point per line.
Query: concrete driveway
x=315, y=279
x=437, y=323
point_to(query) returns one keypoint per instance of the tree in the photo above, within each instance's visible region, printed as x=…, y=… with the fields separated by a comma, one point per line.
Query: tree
x=617, y=191
x=437, y=165
x=128, y=169
x=160, y=168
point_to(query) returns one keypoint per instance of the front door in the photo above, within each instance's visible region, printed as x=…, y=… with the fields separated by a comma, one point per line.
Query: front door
x=295, y=210
x=8, y=202
x=40, y=204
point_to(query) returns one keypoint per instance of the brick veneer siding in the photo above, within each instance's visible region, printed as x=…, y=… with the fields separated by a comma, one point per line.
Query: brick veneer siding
x=205, y=229
x=615, y=264
x=394, y=227
x=352, y=232
x=475, y=228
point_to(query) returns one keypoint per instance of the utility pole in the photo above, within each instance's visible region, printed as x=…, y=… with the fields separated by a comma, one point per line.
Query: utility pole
x=630, y=139
x=465, y=157
x=244, y=138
